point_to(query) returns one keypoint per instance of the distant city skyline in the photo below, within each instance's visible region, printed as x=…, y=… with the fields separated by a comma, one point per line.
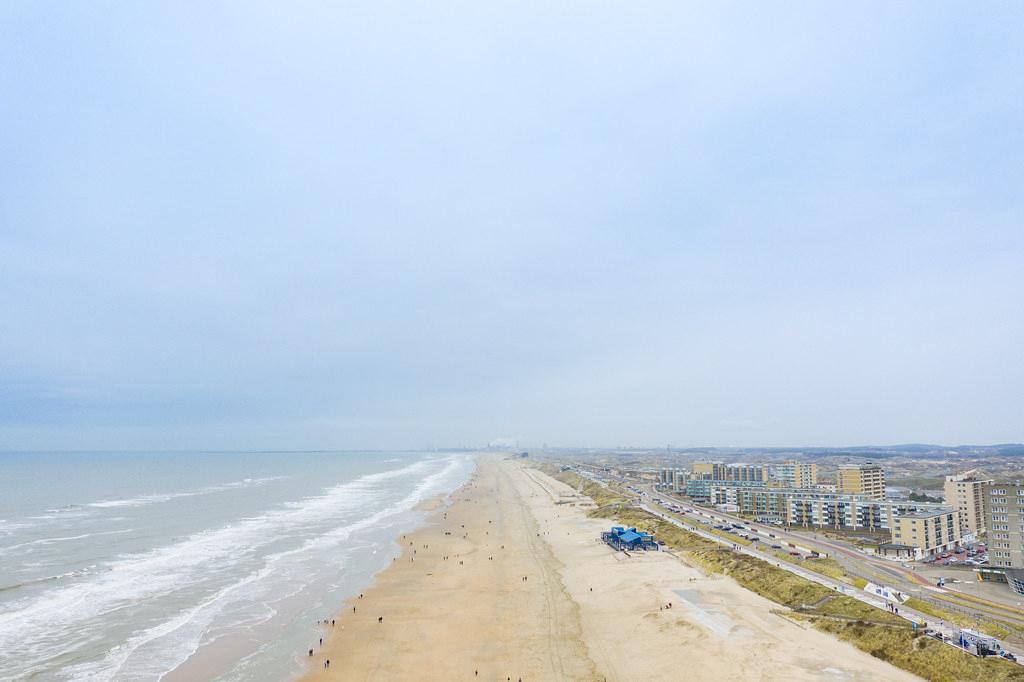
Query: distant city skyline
x=407, y=226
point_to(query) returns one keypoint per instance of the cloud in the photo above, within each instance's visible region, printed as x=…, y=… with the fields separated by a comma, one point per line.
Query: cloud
x=400, y=226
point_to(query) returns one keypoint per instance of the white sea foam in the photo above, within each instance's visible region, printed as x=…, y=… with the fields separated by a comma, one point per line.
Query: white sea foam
x=8, y=527
x=67, y=538
x=144, y=500
x=190, y=625
x=206, y=569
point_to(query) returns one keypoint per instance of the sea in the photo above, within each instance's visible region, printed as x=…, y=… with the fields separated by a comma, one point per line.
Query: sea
x=193, y=565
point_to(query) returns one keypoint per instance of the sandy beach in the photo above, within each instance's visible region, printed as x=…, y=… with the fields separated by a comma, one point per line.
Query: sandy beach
x=508, y=581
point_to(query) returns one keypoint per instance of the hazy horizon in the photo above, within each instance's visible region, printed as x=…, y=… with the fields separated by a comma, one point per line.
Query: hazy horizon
x=407, y=226
x=531, y=446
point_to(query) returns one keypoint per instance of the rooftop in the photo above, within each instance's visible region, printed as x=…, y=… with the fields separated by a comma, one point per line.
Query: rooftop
x=927, y=513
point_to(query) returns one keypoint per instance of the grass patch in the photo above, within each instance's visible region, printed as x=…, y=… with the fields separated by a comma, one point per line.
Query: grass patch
x=601, y=495
x=826, y=567
x=923, y=656
x=925, y=482
x=960, y=619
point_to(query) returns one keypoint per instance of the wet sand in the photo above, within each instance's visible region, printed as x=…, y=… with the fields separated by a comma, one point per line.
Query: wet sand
x=509, y=582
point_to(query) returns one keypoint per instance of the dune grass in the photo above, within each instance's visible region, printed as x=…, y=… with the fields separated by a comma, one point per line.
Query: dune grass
x=960, y=619
x=826, y=567
x=921, y=655
x=601, y=495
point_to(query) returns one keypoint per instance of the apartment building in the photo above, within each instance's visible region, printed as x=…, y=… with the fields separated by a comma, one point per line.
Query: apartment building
x=1004, y=518
x=765, y=504
x=719, y=471
x=817, y=509
x=739, y=472
x=674, y=479
x=928, y=531
x=793, y=474
x=707, y=491
x=862, y=479
x=965, y=493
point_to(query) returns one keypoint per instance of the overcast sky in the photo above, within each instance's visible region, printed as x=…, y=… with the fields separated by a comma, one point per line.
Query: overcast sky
x=389, y=225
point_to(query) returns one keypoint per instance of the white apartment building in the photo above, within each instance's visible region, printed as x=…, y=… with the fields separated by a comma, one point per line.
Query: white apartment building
x=965, y=493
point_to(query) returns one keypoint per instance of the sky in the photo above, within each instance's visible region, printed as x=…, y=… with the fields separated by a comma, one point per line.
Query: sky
x=382, y=225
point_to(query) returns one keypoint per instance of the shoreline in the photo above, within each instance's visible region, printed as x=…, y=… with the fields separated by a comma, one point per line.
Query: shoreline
x=298, y=620
x=459, y=602
x=320, y=641
x=509, y=581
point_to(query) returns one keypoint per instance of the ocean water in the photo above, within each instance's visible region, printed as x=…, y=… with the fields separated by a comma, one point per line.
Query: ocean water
x=212, y=565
